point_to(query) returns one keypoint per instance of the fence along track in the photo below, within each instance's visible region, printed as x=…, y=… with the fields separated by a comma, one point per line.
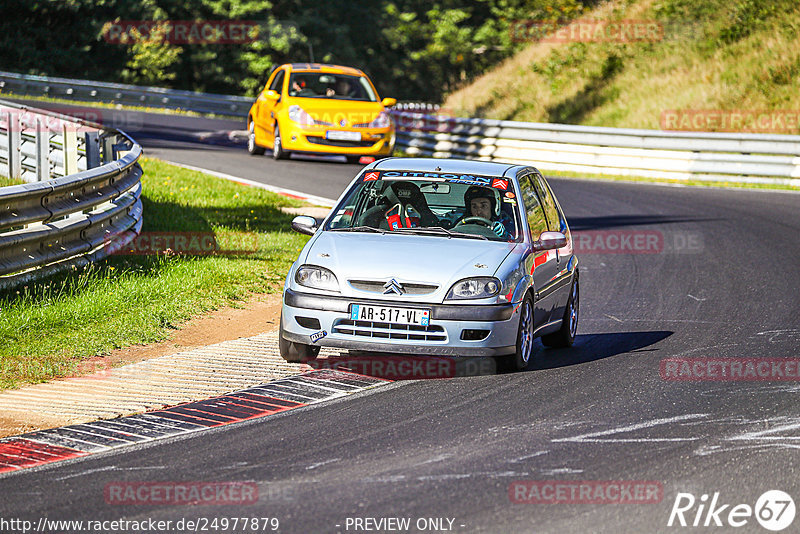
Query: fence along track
x=82, y=199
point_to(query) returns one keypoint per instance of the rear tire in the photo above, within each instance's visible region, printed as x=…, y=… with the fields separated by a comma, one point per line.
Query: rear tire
x=277, y=146
x=520, y=360
x=565, y=336
x=252, y=148
x=294, y=352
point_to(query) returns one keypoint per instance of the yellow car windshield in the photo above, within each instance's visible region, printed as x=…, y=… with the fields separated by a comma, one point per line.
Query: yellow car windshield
x=333, y=86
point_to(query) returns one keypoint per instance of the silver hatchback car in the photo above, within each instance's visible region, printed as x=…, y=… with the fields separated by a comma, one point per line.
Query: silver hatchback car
x=435, y=257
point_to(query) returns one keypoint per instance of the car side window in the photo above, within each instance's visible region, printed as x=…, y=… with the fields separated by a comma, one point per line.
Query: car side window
x=533, y=208
x=277, y=83
x=550, y=209
x=562, y=219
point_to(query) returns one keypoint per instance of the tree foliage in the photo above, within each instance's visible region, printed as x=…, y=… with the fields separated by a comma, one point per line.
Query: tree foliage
x=413, y=49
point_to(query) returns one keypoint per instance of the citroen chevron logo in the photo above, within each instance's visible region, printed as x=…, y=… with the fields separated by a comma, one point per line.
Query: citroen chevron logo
x=393, y=286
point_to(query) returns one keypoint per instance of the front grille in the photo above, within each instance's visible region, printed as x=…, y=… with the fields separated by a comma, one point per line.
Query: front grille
x=407, y=332
x=375, y=286
x=336, y=142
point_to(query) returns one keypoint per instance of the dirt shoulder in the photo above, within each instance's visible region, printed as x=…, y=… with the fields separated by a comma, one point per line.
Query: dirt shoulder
x=259, y=314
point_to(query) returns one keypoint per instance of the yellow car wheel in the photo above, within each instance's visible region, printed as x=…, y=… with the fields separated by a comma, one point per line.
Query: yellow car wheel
x=252, y=148
x=277, y=147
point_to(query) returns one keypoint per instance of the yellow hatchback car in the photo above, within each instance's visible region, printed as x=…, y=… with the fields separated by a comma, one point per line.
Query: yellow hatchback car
x=320, y=109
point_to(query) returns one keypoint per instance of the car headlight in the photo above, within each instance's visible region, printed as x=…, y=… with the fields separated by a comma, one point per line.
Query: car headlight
x=474, y=288
x=317, y=278
x=300, y=116
x=381, y=121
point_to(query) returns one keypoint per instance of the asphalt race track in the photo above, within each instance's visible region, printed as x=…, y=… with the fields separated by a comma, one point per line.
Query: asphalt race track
x=721, y=282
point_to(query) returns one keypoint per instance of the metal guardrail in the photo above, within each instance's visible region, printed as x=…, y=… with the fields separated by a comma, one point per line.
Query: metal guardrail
x=65, y=216
x=424, y=131
x=757, y=158
x=133, y=95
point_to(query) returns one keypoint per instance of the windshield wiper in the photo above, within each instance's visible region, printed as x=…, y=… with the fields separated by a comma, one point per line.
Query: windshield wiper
x=426, y=229
x=439, y=230
x=358, y=229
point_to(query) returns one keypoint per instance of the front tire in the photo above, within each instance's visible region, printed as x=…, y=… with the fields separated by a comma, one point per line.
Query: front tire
x=565, y=336
x=277, y=146
x=294, y=352
x=252, y=148
x=522, y=357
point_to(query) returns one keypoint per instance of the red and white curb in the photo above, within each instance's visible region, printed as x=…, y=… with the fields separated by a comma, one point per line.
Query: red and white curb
x=53, y=445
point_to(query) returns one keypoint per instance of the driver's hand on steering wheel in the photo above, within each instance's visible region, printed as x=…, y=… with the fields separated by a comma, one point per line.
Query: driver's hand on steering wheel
x=498, y=229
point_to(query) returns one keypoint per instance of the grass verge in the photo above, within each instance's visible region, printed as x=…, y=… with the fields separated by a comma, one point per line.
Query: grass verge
x=47, y=328
x=739, y=55
x=9, y=181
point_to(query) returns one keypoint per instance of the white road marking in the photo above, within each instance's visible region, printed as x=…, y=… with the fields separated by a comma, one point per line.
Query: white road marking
x=321, y=201
x=788, y=332
x=592, y=437
x=89, y=472
x=435, y=459
x=527, y=457
x=761, y=435
x=320, y=464
x=561, y=471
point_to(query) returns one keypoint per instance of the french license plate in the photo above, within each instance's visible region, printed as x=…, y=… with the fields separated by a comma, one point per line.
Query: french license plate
x=339, y=135
x=388, y=314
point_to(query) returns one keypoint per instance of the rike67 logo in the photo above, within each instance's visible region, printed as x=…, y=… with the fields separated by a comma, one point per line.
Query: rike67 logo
x=774, y=510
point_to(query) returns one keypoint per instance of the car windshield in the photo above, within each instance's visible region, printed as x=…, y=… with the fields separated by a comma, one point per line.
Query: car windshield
x=332, y=86
x=451, y=206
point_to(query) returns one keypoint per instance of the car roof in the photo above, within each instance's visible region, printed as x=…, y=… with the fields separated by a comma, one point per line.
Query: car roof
x=324, y=67
x=459, y=166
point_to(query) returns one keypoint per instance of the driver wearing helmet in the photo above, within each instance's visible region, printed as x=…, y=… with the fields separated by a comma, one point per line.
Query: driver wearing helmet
x=481, y=202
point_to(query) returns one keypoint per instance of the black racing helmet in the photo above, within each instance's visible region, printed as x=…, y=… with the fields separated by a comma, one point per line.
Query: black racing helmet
x=477, y=191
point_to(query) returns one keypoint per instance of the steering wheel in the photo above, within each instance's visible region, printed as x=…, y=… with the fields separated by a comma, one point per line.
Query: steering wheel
x=475, y=220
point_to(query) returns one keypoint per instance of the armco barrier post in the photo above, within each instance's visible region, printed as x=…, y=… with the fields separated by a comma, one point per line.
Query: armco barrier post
x=108, y=148
x=70, y=150
x=92, y=150
x=14, y=141
x=42, y=151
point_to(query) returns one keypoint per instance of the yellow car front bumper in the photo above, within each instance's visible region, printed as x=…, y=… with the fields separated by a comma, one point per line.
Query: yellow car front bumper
x=373, y=141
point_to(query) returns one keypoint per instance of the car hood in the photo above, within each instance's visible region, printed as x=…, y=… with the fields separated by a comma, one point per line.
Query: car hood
x=409, y=259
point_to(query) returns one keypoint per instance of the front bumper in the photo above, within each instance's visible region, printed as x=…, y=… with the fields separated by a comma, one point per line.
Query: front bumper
x=374, y=141
x=443, y=337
